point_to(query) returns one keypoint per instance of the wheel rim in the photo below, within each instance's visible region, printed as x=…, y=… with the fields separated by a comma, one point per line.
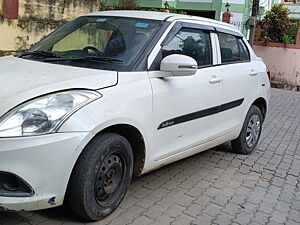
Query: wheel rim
x=110, y=175
x=253, y=131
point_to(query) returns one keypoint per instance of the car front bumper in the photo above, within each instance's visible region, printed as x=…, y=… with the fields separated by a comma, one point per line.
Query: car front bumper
x=44, y=163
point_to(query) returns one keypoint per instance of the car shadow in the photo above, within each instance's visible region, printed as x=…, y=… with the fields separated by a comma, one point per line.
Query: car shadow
x=57, y=215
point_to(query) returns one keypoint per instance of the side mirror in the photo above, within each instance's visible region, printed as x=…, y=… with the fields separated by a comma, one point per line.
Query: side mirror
x=179, y=65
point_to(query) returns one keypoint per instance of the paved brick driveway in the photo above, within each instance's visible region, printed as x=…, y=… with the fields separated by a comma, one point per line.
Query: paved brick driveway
x=216, y=186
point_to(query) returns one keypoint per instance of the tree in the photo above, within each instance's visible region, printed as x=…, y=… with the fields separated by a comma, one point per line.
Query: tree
x=276, y=23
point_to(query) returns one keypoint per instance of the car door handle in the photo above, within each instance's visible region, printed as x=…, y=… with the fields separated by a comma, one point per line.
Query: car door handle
x=215, y=80
x=253, y=73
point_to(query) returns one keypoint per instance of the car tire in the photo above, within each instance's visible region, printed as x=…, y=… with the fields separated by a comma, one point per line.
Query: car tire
x=250, y=134
x=101, y=177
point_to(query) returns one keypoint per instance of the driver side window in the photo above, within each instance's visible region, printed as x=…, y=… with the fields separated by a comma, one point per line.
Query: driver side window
x=191, y=42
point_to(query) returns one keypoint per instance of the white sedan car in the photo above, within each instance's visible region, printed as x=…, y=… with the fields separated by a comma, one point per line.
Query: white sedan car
x=114, y=94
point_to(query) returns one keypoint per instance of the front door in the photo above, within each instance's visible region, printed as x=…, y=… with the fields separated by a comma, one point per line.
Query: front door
x=185, y=108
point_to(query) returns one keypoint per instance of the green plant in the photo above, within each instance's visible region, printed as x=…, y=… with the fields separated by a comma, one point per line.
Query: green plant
x=172, y=10
x=266, y=39
x=292, y=32
x=151, y=9
x=103, y=5
x=276, y=23
x=128, y=4
x=286, y=39
x=293, y=29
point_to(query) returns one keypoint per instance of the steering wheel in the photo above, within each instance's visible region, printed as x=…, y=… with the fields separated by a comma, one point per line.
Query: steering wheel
x=87, y=48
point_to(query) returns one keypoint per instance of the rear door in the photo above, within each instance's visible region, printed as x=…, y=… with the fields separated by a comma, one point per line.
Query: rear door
x=240, y=81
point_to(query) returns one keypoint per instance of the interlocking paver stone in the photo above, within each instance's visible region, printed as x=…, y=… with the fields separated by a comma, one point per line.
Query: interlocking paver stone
x=215, y=186
x=142, y=220
x=261, y=217
x=155, y=211
x=183, y=220
x=278, y=217
x=243, y=218
x=283, y=206
x=164, y=219
x=194, y=210
x=295, y=215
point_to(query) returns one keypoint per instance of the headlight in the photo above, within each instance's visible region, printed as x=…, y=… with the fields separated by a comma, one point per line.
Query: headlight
x=44, y=115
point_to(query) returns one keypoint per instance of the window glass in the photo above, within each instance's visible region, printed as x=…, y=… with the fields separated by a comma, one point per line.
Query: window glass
x=245, y=56
x=229, y=48
x=122, y=39
x=87, y=35
x=191, y=42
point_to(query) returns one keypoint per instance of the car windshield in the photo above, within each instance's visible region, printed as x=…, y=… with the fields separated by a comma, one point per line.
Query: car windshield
x=110, y=43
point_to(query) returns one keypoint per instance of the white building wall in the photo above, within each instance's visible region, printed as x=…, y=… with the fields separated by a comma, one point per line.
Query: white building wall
x=234, y=1
x=202, y=1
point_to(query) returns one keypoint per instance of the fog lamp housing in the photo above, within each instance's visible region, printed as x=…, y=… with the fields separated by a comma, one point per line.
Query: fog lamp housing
x=12, y=185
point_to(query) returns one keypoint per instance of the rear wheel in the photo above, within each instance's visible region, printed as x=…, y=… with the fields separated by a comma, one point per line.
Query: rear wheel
x=101, y=177
x=250, y=134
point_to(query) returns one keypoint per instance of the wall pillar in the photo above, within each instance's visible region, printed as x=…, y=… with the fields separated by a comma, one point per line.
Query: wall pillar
x=217, y=7
x=227, y=17
x=10, y=9
x=297, y=39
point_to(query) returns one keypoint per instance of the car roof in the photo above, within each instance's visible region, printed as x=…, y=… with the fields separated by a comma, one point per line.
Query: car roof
x=160, y=16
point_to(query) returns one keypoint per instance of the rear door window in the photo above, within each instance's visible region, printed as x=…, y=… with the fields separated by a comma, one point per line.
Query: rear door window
x=229, y=48
x=245, y=56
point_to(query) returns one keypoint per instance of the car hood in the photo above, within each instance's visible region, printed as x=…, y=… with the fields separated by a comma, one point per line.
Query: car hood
x=22, y=80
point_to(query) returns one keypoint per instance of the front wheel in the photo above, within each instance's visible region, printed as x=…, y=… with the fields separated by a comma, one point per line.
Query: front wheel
x=101, y=177
x=250, y=134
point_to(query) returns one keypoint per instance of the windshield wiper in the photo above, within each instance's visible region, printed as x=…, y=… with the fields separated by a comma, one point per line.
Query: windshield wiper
x=86, y=58
x=40, y=53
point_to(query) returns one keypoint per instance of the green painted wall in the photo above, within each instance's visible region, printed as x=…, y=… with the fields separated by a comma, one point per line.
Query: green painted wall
x=194, y=6
x=216, y=5
x=151, y=3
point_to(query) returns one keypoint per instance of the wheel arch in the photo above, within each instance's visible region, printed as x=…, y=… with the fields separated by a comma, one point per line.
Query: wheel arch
x=136, y=140
x=261, y=103
x=134, y=137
